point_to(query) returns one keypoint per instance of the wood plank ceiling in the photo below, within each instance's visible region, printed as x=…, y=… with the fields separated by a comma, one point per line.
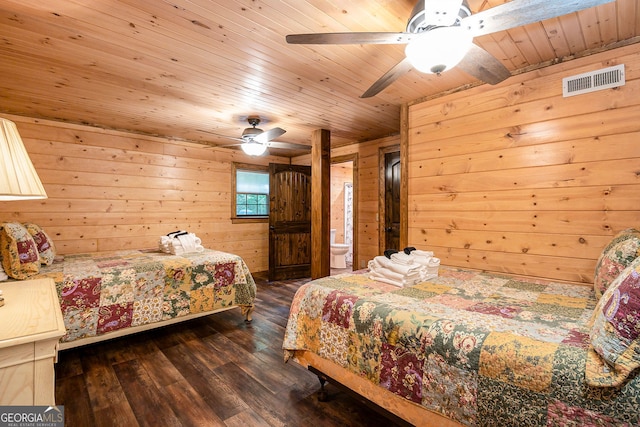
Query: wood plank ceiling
x=186, y=68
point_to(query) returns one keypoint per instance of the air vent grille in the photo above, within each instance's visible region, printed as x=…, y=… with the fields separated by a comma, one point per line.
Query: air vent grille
x=592, y=81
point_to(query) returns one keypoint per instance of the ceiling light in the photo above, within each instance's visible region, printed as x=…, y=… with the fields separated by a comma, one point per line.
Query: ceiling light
x=439, y=49
x=18, y=177
x=253, y=148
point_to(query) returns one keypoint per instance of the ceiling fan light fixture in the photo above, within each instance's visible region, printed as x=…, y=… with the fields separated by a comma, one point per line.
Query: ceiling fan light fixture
x=439, y=49
x=253, y=148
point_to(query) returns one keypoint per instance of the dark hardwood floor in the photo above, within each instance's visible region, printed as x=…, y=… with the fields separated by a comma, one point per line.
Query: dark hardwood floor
x=212, y=371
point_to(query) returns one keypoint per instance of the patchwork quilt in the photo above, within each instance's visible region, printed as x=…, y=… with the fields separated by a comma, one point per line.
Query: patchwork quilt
x=107, y=291
x=480, y=349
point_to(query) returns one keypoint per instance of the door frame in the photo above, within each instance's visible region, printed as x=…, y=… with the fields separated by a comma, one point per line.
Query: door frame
x=354, y=159
x=381, y=194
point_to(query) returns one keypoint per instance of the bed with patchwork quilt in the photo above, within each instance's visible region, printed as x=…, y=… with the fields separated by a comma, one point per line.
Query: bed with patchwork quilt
x=109, y=294
x=473, y=348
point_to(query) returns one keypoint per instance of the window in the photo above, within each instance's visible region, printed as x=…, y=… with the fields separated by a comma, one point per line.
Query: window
x=250, y=191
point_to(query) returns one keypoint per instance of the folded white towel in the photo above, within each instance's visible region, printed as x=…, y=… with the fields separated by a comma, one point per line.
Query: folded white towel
x=164, y=244
x=179, y=250
x=187, y=241
x=410, y=274
x=176, y=250
x=432, y=268
x=402, y=258
x=421, y=260
x=387, y=276
x=180, y=242
x=422, y=253
x=385, y=262
x=383, y=279
x=409, y=278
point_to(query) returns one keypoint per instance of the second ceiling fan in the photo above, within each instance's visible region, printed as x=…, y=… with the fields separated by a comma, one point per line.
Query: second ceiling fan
x=255, y=141
x=439, y=36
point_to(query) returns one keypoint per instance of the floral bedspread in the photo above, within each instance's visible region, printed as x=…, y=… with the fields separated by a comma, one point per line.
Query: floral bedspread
x=481, y=349
x=107, y=291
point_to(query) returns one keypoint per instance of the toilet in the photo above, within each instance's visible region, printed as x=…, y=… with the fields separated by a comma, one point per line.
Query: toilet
x=338, y=252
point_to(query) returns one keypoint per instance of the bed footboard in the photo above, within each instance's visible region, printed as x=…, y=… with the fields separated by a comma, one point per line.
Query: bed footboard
x=400, y=410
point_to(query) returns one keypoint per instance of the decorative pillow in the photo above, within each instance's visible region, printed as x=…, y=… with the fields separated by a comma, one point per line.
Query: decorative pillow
x=616, y=256
x=20, y=258
x=615, y=331
x=3, y=275
x=46, y=248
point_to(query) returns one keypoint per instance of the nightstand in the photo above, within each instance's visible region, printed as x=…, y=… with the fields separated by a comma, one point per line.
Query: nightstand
x=31, y=324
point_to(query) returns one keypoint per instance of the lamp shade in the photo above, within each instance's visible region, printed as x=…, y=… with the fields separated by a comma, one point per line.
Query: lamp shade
x=18, y=177
x=439, y=49
x=253, y=148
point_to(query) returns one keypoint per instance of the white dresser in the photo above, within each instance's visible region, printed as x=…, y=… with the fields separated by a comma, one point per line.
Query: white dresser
x=30, y=326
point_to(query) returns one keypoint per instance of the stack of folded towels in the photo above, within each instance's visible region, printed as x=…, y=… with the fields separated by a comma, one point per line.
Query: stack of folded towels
x=180, y=242
x=404, y=268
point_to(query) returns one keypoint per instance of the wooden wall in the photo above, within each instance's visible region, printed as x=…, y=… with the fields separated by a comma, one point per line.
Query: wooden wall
x=515, y=178
x=112, y=190
x=510, y=178
x=367, y=190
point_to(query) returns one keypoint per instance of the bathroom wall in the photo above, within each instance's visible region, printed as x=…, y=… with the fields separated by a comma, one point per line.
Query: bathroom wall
x=340, y=173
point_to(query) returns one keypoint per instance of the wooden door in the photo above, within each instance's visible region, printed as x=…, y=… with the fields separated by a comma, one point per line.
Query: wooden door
x=392, y=200
x=289, y=221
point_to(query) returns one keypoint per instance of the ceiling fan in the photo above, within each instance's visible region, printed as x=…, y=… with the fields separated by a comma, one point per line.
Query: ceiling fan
x=254, y=141
x=439, y=36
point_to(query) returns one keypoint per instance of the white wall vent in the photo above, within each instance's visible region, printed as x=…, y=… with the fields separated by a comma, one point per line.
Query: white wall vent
x=592, y=81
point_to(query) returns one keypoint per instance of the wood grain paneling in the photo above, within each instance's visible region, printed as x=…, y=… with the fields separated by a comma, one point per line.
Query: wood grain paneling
x=320, y=203
x=368, y=203
x=515, y=178
x=190, y=69
x=113, y=190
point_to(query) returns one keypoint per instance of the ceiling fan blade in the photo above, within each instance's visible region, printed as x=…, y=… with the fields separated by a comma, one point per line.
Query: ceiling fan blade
x=522, y=12
x=268, y=135
x=350, y=38
x=482, y=65
x=228, y=145
x=389, y=77
x=220, y=135
x=289, y=145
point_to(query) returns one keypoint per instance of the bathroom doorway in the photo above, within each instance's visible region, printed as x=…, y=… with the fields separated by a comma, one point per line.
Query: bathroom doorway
x=344, y=212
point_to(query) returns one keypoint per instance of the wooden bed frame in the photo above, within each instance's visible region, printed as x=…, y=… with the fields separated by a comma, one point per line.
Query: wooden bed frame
x=390, y=402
